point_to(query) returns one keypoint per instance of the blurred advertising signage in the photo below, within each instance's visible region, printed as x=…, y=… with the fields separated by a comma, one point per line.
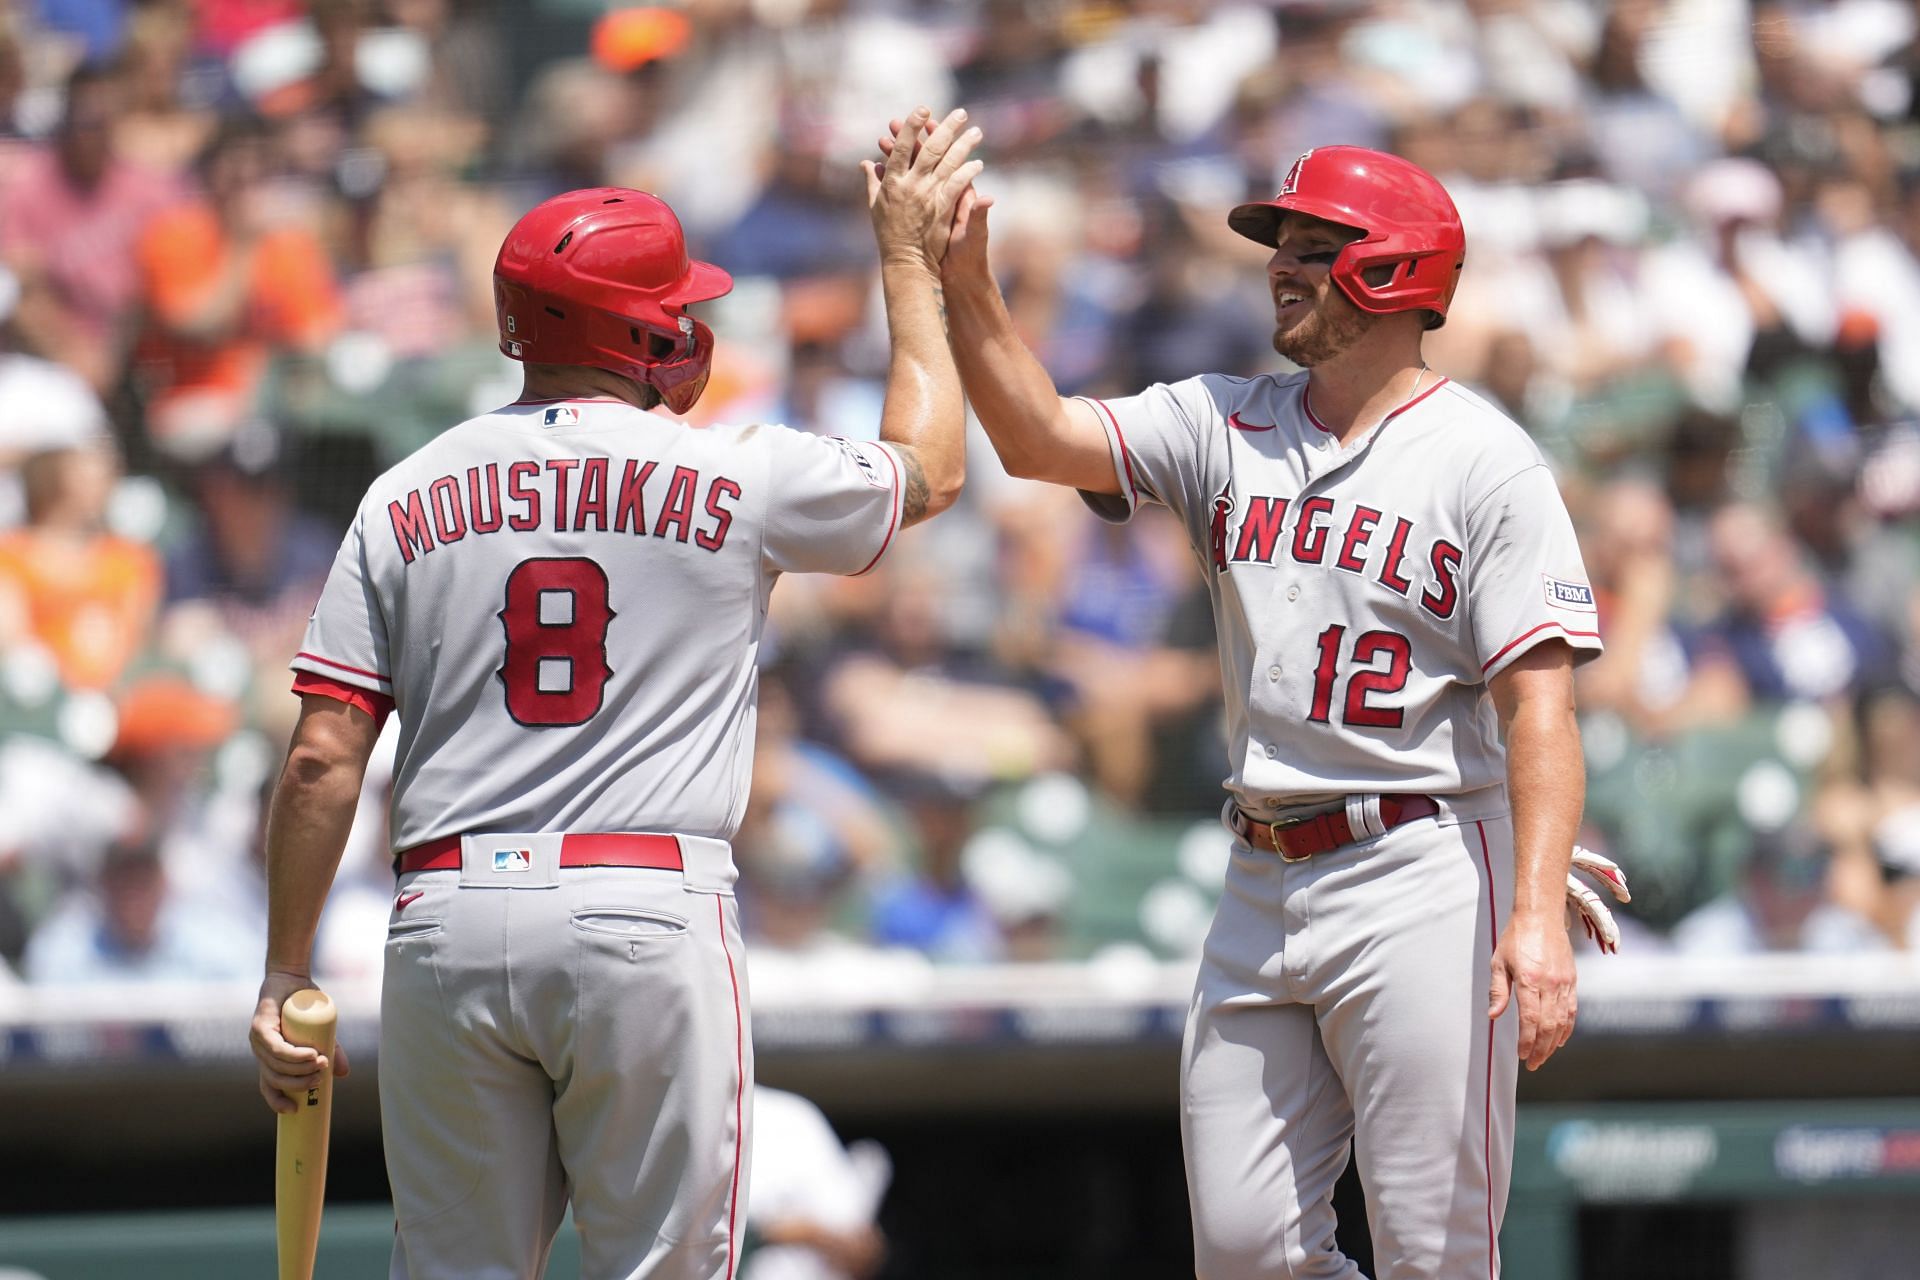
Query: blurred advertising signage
x=1829, y=1153
x=1631, y=1160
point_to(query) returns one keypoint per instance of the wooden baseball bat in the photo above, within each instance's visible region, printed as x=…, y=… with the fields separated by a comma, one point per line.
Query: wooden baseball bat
x=300, y=1173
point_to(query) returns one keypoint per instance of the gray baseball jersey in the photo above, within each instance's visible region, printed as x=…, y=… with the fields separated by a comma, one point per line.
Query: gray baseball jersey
x=557, y=566
x=1362, y=595
x=1363, y=598
x=563, y=601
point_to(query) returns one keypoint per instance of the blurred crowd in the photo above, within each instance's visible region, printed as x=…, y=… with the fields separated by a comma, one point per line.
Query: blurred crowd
x=244, y=265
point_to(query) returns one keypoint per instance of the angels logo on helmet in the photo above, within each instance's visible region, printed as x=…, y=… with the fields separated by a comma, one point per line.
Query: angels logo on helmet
x=1291, y=183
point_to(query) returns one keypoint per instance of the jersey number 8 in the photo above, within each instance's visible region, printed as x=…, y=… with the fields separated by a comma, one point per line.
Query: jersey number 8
x=556, y=619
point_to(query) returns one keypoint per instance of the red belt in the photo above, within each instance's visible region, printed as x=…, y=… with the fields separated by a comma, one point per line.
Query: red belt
x=1297, y=839
x=662, y=853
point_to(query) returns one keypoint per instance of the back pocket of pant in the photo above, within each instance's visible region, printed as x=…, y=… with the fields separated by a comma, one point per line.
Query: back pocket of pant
x=633, y=924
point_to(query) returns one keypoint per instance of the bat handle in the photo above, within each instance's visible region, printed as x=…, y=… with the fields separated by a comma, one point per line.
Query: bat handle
x=300, y=1176
x=309, y=1018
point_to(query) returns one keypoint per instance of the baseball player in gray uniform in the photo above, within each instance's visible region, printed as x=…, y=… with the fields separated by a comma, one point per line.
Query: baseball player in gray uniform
x=1400, y=604
x=562, y=601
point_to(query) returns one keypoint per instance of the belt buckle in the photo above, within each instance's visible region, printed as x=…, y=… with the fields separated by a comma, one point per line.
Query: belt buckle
x=1275, y=828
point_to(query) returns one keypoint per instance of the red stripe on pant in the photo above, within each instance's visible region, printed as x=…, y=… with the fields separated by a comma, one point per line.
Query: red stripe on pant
x=1493, y=918
x=740, y=1083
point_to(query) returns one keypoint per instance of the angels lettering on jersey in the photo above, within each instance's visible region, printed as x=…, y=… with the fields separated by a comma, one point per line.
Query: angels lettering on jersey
x=1350, y=533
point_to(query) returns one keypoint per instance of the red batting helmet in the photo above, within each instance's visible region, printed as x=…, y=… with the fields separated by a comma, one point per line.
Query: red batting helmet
x=1406, y=219
x=601, y=277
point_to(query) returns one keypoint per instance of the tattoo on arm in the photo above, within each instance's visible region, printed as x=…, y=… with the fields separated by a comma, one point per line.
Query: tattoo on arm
x=914, y=494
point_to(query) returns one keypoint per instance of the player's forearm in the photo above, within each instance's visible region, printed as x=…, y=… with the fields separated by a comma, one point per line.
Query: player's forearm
x=307, y=827
x=1011, y=392
x=925, y=411
x=1546, y=785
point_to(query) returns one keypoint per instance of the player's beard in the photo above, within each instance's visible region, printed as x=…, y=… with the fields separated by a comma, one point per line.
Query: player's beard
x=1333, y=326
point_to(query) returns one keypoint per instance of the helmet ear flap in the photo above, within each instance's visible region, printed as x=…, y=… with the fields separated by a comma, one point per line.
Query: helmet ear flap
x=681, y=381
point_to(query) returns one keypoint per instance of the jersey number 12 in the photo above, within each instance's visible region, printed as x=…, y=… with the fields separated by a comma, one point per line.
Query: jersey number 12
x=556, y=619
x=1368, y=649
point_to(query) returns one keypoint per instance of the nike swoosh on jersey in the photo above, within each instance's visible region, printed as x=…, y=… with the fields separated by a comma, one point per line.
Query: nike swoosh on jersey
x=406, y=900
x=1233, y=420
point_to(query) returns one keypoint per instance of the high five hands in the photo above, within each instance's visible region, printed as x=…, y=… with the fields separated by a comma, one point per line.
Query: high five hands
x=922, y=197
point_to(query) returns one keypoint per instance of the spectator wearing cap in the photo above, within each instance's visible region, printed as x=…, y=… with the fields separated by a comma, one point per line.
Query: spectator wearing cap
x=67, y=585
x=130, y=926
x=43, y=407
x=934, y=909
x=1590, y=326
x=255, y=561
x=226, y=280
x=169, y=729
x=69, y=219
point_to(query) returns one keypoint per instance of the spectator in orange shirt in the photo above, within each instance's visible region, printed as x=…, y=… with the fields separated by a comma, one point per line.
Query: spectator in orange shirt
x=226, y=279
x=68, y=586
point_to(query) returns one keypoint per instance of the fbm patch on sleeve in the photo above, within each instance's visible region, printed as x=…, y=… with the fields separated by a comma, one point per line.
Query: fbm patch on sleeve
x=1575, y=596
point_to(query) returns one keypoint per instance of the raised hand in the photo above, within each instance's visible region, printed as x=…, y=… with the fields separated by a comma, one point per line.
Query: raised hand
x=913, y=195
x=967, y=240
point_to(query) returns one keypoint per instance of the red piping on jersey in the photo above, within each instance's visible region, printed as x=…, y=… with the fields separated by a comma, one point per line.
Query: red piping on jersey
x=578, y=400
x=341, y=666
x=1306, y=403
x=1493, y=919
x=1126, y=455
x=740, y=1083
x=1233, y=420
x=893, y=510
x=377, y=705
x=1587, y=635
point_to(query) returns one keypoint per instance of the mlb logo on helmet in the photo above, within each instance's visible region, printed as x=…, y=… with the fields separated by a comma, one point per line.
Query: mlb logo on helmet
x=513, y=859
x=1291, y=182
